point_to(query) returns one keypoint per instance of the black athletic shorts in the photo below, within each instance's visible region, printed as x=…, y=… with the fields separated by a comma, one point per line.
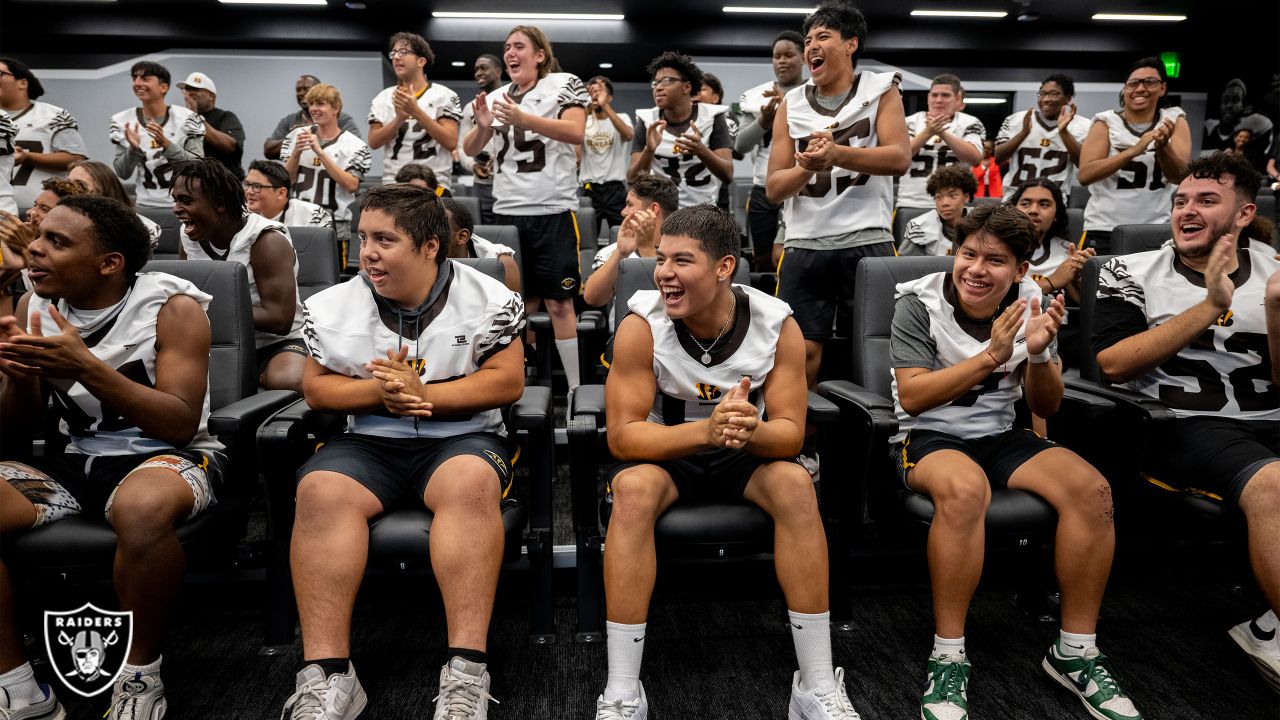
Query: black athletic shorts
x=608, y=199
x=762, y=222
x=815, y=282
x=998, y=455
x=1213, y=454
x=721, y=473
x=266, y=352
x=548, y=253
x=392, y=467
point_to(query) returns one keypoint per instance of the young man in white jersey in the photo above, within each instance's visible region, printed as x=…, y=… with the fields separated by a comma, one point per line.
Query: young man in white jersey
x=538, y=121
x=697, y=365
x=940, y=136
x=464, y=243
x=266, y=192
x=753, y=139
x=965, y=346
x=8, y=131
x=424, y=428
x=125, y=356
x=934, y=232
x=650, y=200
x=301, y=118
x=1133, y=157
x=215, y=225
x=681, y=138
x=417, y=120
x=605, y=153
x=1197, y=325
x=838, y=141
x=1043, y=142
x=48, y=138
x=152, y=135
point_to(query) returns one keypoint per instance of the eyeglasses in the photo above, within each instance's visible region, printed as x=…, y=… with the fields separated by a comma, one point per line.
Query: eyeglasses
x=1050, y=94
x=1149, y=83
x=3, y=73
x=256, y=187
x=399, y=52
x=665, y=81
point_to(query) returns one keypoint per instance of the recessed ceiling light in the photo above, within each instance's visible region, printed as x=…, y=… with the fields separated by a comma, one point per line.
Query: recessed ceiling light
x=458, y=63
x=984, y=101
x=960, y=13
x=606, y=66
x=527, y=16
x=769, y=10
x=273, y=2
x=1139, y=18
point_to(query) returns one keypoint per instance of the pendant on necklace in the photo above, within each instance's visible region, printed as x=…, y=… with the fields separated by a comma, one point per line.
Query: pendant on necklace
x=706, y=358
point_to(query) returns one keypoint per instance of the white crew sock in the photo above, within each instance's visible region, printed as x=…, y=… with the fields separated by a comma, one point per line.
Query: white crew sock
x=626, y=651
x=568, y=351
x=948, y=646
x=1075, y=644
x=812, y=637
x=19, y=686
x=148, y=669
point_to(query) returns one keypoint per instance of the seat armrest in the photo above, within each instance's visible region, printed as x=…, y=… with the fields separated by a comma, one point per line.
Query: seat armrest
x=533, y=410
x=821, y=411
x=592, y=322
x=539, y=322
x=588, y=400
x=1146, y=407
x=246, y=414
x=875, y=411
x=583, y=472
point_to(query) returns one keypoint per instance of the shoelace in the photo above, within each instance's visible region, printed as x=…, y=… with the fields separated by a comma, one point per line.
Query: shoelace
x=953, y=679
x=125, y=694
x=307, y=703
x=617, y=709
x=461, y=696
x=1101, y=676
x=837, y=704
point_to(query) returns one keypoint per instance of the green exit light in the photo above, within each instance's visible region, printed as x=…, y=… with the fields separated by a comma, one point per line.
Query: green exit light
x=1172, y=63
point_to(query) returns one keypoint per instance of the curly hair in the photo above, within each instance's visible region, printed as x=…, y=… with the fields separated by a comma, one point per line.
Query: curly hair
x=1244, y=179
x=63, y=187
x=683, y=64
x=418, y=45
x=216, y=183
x=958, y=177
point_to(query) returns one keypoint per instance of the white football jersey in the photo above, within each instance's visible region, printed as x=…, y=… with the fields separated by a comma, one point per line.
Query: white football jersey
x=150, y=181
x=752, y=104
x=1046, y=258
x=239, y=251
x=491, y=147
x=124, y=339
x=8, y=131
x=934, y=155
x=694, y=182
x=412, y=143
x=689, y=390
x=468, y=318
x=313, y=183
x=924, y=236
x=484, y=249
x=42, y=128
x=1226, y=370
x=839, y=201
x=1042, y=154
x=987, y=408
x=605, y=156
x=153, y=230
x=300, y=213
x=1137, y=193
x=533, y=174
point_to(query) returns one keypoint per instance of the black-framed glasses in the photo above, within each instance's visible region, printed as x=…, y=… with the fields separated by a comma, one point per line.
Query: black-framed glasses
x=665, y=81
x=1050, y=94
x=6, y=72
x=398, y=52
x=1149, y=83
x=256, y=187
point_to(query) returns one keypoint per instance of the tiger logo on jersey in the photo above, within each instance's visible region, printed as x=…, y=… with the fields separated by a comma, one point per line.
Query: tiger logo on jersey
x=1225, y=319
x=708, y=392
x=419, y=366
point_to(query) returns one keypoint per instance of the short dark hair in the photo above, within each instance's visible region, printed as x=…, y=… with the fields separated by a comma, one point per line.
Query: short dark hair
x=658, y=189
x=1004, y=223
x=790, y=36
x=462, y=219
x=418, y=171
x=841, y=17
x=63, y=187
x=143, y=68
x=1058, y=228
x=959, y=177
x=1245, y=180
x=713, y=228
x=20, y=71
x=417, y=44
x=608, y=84
x=216, y=182
x=1149, y=62
x=416, y=212
x=1065, y=82
x=491, y=58
x=713, y=82
x=682, y=64
x=949, y=79
x=116, y=228
x=275, y=172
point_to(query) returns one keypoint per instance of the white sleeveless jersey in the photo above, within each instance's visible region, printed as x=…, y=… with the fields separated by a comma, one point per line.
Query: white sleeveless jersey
x=605, y=156
x=153, y=230
x=126, y=343
x=987, y=408
x=924, y=236
x=1046, y=258
x=151, y=183
x=42, y=128
x=752, y=104
x=1136, y=193
x=300, y=213
x=1042, y=154
x=469, y=319
x=412, y=143
x=239, y=251
x=533, y=174
x=1226, y=370
x=839, y=201
x=934, y=155
x=313, y=183
x=485, y=249
x=8, y=131
x=688, y=390
x=694, y=182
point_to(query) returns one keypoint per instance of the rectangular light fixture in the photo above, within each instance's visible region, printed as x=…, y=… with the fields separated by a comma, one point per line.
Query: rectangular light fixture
x=984, y=101
x=769, y=10
x=1133, y=17
x=273, y=2
x=527, y=16
x=960, y=13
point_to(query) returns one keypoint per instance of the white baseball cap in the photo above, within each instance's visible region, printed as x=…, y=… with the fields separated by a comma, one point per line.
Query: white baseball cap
x=198, y=81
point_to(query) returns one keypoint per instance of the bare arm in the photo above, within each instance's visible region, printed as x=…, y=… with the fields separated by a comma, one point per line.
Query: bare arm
x=55, y=162
x=272, y=260
x=220, y=141
x=600, y=287
x=963, y=149
x=786, y=178
x=1005, y=150
x=382, y=133
x=511, y=272
x=1272, y=300
x=719, y=162
x=271, y=148
x=625, y=131
x=329, y=391
x=1095, y=163
x=1175, y=154
x=786, y=396
x=344, y=179
x=498, y=382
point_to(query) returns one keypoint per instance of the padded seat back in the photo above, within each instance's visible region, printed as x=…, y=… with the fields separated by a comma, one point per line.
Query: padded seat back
x=636, y=274
x=901, y=217
x=1079, y=197
x=873, y=313
x=472, y=204
x=507, y=235
x=169, y=234
x=1266, y=205
x=1129, y=239
x=1088, y=362
x=1075, y=225
x=588, y=226
x=488, y=266
x=317, y=252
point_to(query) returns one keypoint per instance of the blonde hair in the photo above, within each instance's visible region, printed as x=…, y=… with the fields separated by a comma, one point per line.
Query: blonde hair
x=325, y=95
x=541, y=42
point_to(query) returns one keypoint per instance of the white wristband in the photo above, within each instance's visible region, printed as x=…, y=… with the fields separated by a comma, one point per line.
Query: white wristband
x=1039, y=359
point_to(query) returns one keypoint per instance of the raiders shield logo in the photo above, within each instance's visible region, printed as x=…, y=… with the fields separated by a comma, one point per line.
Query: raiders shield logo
x=88, y=646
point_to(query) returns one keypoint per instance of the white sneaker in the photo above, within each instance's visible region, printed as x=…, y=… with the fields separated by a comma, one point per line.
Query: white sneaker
x=637, y=709
x=47, y=709
x=464, y=691
x=337, y=697
x=138, y=696
x=1262, y=646
x=815, y=704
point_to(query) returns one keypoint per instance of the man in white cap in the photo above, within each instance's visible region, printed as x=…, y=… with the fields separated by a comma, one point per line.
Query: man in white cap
x=223, y=132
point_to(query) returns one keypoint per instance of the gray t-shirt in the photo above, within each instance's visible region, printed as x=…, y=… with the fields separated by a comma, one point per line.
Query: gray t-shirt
x=910, y=343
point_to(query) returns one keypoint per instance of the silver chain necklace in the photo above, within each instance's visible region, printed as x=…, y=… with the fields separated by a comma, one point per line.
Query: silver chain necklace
x=706, y=351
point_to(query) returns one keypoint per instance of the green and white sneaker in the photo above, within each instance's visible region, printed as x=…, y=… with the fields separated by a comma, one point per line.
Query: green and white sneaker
x=1091, y=681
x=945, y=692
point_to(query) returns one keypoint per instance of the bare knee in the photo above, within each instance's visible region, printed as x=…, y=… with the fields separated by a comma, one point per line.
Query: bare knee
x=963, y=499
x=323, y=498
x=638, y=495
x=1261, y=496
x=788, y=493
x=464, y=485
x=1089, y=493
x=141, y=512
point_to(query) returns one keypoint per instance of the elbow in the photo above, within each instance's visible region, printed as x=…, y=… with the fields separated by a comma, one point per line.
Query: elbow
x=593, y=297
x=901, y=164
x=1086, y=175
x=909, y=404
x=773, y=189
x=574, y=138
x=1114, y=370
x=1045, y=407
